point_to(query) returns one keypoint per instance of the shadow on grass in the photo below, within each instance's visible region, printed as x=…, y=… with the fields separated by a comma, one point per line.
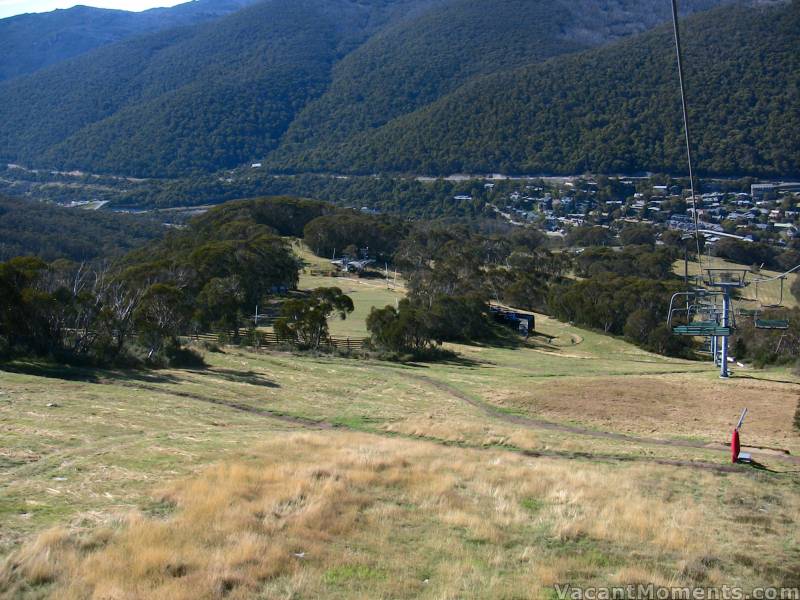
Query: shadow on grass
x=500, y=337
x=51, y=371
x=249, y=377
x=757, y=466
x=96, y=375
x=137, y=375
x=84, y=374
x=449, y=359
x=765, y=379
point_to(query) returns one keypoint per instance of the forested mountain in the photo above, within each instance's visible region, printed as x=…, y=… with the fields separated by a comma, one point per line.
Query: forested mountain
x=187, y=99
x=418, y=61
x=31, y=41
x=429, y=86
x=613, y=109
x=29, y=228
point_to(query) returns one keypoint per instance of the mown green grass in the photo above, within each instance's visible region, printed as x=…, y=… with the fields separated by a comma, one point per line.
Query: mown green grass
x=366, y=294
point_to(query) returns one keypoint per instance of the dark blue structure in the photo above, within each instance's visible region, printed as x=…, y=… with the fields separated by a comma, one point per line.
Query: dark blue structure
x=525, y=323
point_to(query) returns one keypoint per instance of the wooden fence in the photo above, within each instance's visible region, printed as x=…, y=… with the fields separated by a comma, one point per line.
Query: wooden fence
x=262, y=338
x=270, y=338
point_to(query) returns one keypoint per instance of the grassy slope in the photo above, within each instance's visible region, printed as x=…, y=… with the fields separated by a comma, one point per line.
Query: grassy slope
x=768, y=293
x=386, y=505
x=349, y=516
x=366, y=293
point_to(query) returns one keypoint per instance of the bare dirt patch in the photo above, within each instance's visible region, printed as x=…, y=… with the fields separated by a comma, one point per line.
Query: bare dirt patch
x=665, y=405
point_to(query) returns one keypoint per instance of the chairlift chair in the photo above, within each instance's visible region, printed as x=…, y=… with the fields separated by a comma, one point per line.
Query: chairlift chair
x=710, y=327
x=694, y=304
x=772, y=324
x=726, y=278
x=782, y=278
x=715, y=313
x=768, y=324
x=702, y=329
x=708, y=310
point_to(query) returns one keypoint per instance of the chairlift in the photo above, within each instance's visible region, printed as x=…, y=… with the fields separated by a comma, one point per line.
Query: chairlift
x=766, y=324
x=694, y=304
x=702, y=329
x=710, y=310
x=726, y=278
x=700, y=305
x=713, y=312
x=772, y=324
x=781, y=278
x=724, y=281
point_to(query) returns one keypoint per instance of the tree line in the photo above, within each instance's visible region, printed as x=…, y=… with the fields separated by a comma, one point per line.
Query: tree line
x=454, y=274
x=211, y=275
x=28, y=227
x=206, y=277
x=614, y=109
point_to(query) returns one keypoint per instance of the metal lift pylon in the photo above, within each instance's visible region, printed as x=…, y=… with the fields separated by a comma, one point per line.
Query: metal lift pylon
x=725, y=280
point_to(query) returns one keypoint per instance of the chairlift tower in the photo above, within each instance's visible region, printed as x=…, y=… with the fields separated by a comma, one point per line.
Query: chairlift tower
x=725, y=280
x=705, y=318
x=717, y=282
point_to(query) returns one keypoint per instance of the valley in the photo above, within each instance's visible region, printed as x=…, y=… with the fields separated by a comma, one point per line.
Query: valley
x=356, y=95
x=394, y=299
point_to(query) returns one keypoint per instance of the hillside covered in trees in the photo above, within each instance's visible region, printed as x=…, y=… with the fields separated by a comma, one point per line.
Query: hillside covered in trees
x=52, y=232
x=186, y=99
x=133, y=309
x=424, y=86
x=419, y=60
x=32, y=41
x=614, y=109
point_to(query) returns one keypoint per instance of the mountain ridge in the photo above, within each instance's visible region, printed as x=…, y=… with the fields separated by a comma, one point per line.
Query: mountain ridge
x=312, y=86
x=31, y=41
x=444, y=137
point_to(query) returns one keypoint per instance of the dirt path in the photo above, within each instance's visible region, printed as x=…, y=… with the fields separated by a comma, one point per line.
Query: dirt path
x=293, y=420
x=608, y=435
x=554, y=454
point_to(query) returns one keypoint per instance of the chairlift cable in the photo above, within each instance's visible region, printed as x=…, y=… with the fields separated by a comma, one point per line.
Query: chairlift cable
x=779, y=276
x=679, y=54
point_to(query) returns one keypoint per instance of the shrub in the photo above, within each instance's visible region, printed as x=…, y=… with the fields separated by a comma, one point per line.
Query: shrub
x=400, y=330
x=212, y=347
x=305, y=320
x=184, y=358
x=416, y=327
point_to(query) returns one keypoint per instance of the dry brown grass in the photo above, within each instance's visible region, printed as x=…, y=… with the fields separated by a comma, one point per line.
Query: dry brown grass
x=350, y=515
x=664, y=405
x=462, y=431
